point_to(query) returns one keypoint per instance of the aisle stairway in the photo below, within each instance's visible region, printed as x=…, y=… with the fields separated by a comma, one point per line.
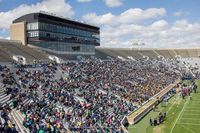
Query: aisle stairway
x=19, y=117
x=4, y=98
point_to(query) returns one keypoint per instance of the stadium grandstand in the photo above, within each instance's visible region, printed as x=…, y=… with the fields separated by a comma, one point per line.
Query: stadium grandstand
x=104, y=92
x=15, y=48
x=48, y=86
x=9, y=49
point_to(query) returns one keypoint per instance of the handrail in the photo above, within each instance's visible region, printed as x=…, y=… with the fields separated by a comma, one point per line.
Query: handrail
x=122, y=125
x=143, y=110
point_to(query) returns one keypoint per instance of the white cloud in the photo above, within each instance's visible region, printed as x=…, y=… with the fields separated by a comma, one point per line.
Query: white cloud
x=109, y=3
x=84, y=1
x=181, y=14
x=130, y=26
x=137, y=14
x=113, y=3
x=133, y=15
x=8, y=38
x=59, y=7
x=180, y=25
x=159, y=25
x=103, y=19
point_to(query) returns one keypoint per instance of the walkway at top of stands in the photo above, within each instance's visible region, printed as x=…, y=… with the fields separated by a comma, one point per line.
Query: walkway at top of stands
x=6, y=40
x=144, y=48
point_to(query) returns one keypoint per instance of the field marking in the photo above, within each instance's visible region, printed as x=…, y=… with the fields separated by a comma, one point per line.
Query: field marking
x=196, y=100
x=191, y=119
x=192, y=111
x=196, y=103
x=188, y=129
x=192, y=108
x=192, y=114
x=188, y=124
x=178, y=116
x=177, y=99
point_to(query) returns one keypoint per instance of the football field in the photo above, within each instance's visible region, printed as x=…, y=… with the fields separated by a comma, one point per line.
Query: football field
x=188, y=120
x=183, y=116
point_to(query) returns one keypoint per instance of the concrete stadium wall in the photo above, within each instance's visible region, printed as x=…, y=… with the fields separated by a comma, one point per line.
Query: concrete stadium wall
x=18, y=32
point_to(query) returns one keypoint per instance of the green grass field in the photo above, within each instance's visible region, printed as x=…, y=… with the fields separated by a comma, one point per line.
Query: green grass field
x=183, y=116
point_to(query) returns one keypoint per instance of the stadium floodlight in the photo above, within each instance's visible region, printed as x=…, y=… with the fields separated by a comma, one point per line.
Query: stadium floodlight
x=138, y=43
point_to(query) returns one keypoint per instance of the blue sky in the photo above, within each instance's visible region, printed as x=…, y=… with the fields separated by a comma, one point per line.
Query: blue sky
x=157, y=23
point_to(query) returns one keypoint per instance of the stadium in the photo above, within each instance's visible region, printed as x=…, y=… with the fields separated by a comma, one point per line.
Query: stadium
x=57, y=78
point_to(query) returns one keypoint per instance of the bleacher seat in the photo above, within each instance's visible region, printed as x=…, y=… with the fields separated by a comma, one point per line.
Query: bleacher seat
x=16, y=48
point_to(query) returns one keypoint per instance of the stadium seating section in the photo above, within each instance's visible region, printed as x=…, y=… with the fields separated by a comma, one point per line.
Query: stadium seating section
x=10, y=48
x=93, y=94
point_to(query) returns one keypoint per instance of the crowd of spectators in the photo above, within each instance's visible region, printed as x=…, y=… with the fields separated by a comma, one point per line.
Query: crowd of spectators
x=90, y=95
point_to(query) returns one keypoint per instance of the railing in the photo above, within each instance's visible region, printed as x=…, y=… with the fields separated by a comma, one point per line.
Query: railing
x=122, y=125
x=138, y=114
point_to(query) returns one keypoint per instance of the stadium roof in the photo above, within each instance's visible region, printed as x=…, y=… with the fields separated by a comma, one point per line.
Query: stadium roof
x=32, y=16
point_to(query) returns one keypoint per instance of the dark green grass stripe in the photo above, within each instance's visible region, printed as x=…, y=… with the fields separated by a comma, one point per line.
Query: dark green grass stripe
x=191, y=115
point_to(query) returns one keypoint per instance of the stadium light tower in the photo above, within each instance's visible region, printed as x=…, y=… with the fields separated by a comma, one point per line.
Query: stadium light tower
x=138, y=43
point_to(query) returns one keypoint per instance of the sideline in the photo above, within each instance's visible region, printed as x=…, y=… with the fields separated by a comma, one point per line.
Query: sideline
x=179, y=116
x=174, y=100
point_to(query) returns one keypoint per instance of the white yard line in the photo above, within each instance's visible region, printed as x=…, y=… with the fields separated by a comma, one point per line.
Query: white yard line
x=179, y=116
x=192, y=114
x=177, y=99
x=190, y=119
x=195, y=100
x=188, y=129
x=194, y=104
x=172, y=104
x=192, y=108
x=188, y=124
